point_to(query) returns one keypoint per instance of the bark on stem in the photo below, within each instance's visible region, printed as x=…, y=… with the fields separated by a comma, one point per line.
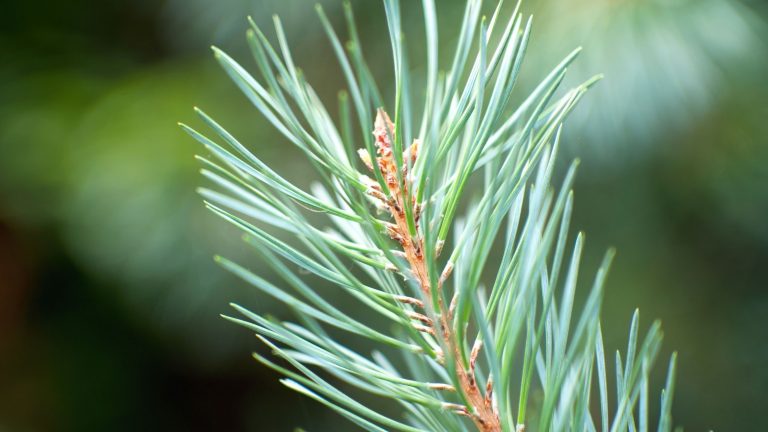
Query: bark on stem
x=480, y=410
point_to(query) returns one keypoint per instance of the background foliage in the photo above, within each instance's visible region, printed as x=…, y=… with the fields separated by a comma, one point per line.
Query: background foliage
x=110, y=298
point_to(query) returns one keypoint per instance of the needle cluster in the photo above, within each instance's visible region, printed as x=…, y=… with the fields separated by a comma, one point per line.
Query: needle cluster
x=440, y=222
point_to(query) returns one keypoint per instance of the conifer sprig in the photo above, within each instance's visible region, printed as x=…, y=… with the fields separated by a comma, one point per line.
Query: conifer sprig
x=469, y=338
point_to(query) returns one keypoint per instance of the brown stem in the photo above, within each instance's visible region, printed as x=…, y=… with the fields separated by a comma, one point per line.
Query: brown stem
x=480, y=409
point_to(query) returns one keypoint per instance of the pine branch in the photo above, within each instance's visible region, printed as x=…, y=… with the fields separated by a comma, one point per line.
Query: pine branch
x=473, y=354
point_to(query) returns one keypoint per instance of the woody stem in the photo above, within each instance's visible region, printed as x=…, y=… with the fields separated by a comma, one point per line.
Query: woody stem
x=481, y=410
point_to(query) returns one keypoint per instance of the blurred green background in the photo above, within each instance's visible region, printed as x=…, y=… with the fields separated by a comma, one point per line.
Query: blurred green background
x=110, y=300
